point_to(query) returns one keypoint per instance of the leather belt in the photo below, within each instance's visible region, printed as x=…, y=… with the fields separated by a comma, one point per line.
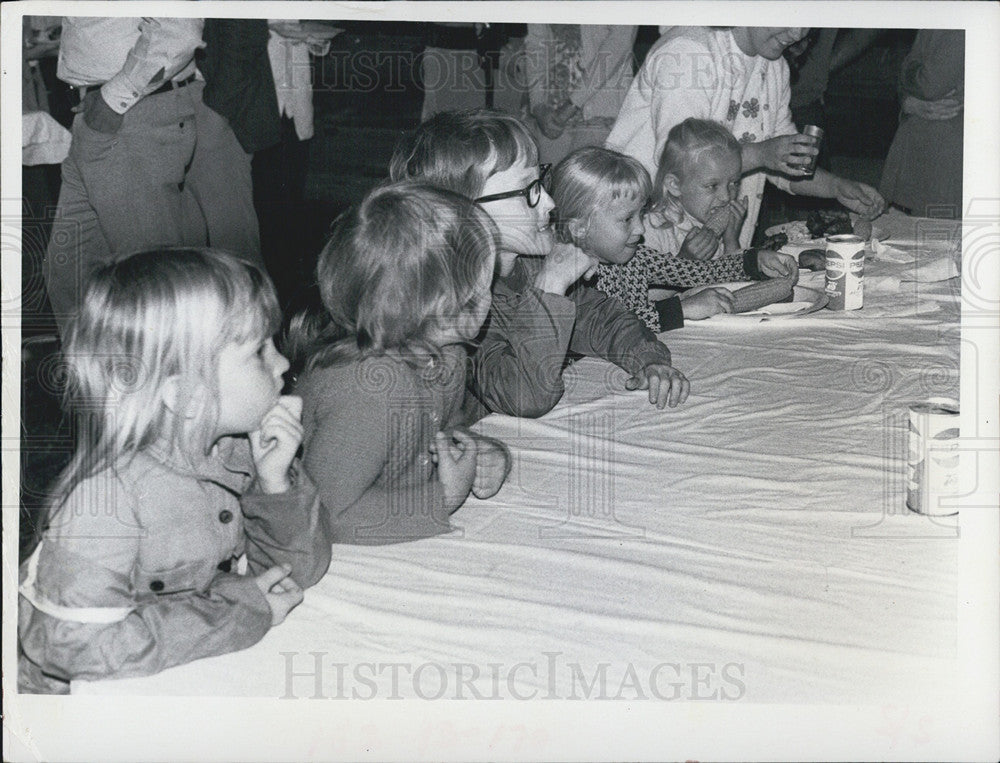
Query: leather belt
x=166, y=87
x=172, y=85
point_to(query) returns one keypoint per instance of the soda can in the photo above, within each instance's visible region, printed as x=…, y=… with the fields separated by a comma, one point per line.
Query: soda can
x=933, y=463
x=845, y=272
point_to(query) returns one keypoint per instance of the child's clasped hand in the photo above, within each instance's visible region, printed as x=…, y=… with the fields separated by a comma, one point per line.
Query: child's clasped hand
x=492, y=467
x=565, y=265
x=275, y=443
x=699, y=244
x=281, y=592
x=456, y=455
x=778, y=265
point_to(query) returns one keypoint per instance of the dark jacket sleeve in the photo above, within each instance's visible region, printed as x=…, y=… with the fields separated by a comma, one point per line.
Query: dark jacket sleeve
x=605, y=329
x=287, y=528
x=239, y=83
x=517, y=368
x=670, y=313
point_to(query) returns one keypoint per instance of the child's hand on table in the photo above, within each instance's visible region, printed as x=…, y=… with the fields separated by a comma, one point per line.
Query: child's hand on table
x=455, y=453
x=492, y=466
x=563, y=267
x=281, y=592
x=274, y=444
x=813, y=259
x=704, y=302
x=778, y=265
x=666, y=385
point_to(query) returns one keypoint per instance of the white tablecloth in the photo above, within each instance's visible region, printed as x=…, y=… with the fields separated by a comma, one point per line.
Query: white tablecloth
x=752, y=544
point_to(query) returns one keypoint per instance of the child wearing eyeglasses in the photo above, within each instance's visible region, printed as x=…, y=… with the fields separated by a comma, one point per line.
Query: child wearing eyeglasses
x=600, y=196
x=541, y=310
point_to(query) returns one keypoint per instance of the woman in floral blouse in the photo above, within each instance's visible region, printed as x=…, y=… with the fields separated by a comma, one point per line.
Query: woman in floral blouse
x=736, y=76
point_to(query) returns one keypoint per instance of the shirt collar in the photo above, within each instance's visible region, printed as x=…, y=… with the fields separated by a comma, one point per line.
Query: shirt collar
x=229, y=463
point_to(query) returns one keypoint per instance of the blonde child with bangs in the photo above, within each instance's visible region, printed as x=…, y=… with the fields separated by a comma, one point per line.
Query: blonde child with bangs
x=405, y=285
x=544, y=312
x=600, y=198
x=694, y=211
x=180, y=529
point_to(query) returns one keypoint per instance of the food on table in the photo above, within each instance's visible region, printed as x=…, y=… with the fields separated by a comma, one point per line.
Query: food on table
x=813, y=259
x=798, y=232
x=757, y=295
x=774, y=242
x=824, y=222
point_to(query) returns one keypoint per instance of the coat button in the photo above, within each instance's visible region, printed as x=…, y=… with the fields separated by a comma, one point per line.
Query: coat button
x=225, y=566
x=225, y=516
x=156, y=585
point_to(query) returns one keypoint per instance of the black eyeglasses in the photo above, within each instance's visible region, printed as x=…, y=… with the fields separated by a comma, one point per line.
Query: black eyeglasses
x=532, y=194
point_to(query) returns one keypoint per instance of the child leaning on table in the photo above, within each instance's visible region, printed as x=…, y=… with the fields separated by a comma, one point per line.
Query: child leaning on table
x=181, y=528
x=405, y=285
x=600, y=196
x=542, y=311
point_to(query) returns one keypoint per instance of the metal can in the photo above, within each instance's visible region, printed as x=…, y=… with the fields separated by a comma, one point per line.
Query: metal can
x=814, y=132
x=933, y=463
x=845, y=272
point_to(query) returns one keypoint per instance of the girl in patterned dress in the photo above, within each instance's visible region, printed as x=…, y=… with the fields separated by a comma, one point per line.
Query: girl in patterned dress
x=600, y=197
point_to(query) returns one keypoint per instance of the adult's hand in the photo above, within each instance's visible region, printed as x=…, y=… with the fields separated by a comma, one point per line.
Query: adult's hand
x=98, y=115
x=948, y=107
x=859, y=197
x=787, y=154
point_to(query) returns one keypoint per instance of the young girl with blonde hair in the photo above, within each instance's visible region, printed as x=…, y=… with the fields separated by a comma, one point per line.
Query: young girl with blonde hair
x=180, y=529
x=600, y=198
x=405, y=285
x=694, y=211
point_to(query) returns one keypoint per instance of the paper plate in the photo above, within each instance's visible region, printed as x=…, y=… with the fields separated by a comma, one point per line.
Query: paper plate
x=804, y=301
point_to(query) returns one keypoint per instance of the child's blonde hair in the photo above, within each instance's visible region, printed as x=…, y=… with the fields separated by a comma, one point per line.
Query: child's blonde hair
x=459, y=150
x=685, y=142
x=158, y=315
x=590, y=177
x=407, y=263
